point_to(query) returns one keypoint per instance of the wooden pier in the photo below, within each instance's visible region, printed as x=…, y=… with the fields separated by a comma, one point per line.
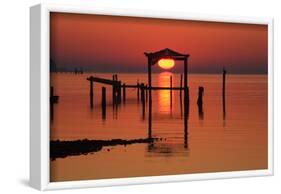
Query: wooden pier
x=144, y=90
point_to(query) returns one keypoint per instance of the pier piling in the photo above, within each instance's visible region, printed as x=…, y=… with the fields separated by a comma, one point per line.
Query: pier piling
x=119, y=92
x=142, y=100
x=149, y=98
x=103, y=102
x=113, y=91
x=146, y=92
x=181, y=94
x=91, y=93
x=51, y=103
x=181, y=88
x=171, y=92
x=223, y=91
x=200, y=102
x=200, y=96
x=124, y=93
x=186, y=94
x=138, y=90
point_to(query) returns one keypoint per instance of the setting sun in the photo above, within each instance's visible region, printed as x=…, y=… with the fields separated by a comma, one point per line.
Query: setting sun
x=166, y=63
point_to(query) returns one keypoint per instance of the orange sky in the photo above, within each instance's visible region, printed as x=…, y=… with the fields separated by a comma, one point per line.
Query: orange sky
x=117, y=44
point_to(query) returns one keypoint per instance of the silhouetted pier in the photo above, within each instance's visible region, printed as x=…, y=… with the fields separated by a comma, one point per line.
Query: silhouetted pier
x=200, y=102
x=143, y=94
x=118, y=85
x=144, y=90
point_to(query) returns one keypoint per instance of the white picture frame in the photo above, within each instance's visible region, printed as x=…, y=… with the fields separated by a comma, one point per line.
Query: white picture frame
x=39, y=101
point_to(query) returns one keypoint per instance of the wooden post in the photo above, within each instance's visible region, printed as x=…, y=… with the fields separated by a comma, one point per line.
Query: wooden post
x=124, y=93
x=103, y=102
x=91, y=93
x=181, y=94
x=181, y=87
x=187, y=100
x=223, y=83
x=142, y=93
x=138, y=90
x=186, y=104
x=200, y=102
x=223, y=91
x=171, y=92
x=185, y=79
x=200, y=96
x=113, y=91
x=142, y=100
x=149, y=100
x=186, y=93
x=146, y=93
x=114, y=100
x=51, y=103
x=119, y=92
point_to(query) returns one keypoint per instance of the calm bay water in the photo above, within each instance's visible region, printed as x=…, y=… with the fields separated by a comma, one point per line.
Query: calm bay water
x=214, y=143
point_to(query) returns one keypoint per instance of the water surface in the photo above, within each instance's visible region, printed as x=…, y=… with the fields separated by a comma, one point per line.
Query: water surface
x=214, y=142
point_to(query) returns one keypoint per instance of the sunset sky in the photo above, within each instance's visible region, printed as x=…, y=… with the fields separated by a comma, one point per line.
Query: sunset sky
x=117, y=44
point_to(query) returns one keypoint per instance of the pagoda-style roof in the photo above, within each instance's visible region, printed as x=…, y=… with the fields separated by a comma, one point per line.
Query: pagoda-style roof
x=165, y=53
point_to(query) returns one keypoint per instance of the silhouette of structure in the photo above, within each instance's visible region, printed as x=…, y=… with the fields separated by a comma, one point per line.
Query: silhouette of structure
x=103, y=102
x=53, y=100
x=144, y=91
x=152, y=59
x=200, y=102
x=223, y=92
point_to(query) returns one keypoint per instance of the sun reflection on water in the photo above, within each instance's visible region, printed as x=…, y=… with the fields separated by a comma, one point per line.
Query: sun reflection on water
x=164, y=101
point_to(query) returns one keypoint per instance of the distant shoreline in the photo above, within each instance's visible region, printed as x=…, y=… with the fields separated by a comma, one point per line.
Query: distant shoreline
x=92, y=72
x=62, y=149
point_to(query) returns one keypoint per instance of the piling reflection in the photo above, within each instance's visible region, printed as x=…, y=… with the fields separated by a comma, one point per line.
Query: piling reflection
x=183, y=146
x=165, y=101
x=103, y=103
x=223, y=95
x=186, y=104
x=167, y=147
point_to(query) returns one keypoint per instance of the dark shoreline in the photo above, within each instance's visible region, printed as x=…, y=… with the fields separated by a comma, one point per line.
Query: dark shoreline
x=62, y=149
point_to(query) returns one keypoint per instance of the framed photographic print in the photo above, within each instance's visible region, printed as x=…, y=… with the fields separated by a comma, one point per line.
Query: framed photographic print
x=132, y=97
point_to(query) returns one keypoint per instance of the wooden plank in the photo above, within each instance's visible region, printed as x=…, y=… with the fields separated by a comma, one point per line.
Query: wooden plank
x=102, y=80
x=154, y=88
x=138, y=86
x=166, y=88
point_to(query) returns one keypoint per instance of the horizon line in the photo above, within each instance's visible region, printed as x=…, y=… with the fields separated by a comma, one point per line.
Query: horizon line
x=232, y=73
